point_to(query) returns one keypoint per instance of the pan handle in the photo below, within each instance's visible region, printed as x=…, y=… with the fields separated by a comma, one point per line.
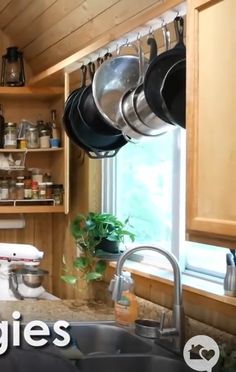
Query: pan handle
x=91, y=68
x=128, y=45
x=179, y=29
x=153, y=48
x=83, y=68
x=166, y=36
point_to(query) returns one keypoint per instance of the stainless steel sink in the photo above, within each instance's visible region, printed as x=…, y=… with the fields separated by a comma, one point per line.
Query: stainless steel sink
x=97, y=338
x=127, y=363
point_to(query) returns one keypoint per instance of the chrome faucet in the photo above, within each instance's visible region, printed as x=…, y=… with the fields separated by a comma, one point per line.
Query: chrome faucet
x=175, y=336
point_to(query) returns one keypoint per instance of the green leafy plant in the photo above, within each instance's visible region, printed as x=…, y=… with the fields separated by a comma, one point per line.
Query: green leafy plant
x=88, y=231
x=227, y=359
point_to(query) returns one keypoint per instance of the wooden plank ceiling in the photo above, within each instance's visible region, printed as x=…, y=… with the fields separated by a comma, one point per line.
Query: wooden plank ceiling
x=47, y=31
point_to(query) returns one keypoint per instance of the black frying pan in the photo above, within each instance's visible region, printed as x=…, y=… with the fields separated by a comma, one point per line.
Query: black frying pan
x=163, y=102
x=84, y=131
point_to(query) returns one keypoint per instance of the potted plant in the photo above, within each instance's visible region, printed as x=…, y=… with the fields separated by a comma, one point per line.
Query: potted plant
x=91, y=232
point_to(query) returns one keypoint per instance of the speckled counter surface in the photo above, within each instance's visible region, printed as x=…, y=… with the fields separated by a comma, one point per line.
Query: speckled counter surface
x=70, y=310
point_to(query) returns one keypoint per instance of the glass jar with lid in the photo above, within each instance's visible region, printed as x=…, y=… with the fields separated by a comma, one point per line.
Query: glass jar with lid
x=32, y=136
x=10, y=136
x=58, y=192
x=44, y=138
x=19, y=190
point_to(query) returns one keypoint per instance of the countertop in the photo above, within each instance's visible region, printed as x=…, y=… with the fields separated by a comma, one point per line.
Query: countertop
x=70, y=310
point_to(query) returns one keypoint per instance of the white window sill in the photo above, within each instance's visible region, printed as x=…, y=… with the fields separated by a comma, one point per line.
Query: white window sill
x=190, y=283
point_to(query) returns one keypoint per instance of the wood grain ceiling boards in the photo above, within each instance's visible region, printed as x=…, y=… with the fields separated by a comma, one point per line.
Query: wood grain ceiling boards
x=47, y=31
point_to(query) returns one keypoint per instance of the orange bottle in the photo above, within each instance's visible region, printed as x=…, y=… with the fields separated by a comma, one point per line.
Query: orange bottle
x=126, y=309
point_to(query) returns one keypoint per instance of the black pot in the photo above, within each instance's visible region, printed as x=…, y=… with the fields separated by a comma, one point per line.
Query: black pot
x=111, y=246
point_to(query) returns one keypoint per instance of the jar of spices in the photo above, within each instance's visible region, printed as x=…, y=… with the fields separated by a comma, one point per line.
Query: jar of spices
x=27, y=188
x=42, y=190
x=32, y=136
x=19, y=190
x=4, y=190
x=10, y=136
x=12, y=189
x=58, y=194
x=44, y=139
x=49, y=190
x=35, y=190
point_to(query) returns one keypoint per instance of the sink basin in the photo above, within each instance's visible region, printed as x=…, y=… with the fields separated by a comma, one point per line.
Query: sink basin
x=127, y=363
x=96, y=338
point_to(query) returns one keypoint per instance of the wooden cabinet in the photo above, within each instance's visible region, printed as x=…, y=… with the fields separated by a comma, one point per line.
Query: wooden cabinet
x=211, y=119
x=35, y=103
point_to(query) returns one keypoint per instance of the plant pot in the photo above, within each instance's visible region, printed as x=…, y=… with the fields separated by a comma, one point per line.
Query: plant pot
x=111, y=246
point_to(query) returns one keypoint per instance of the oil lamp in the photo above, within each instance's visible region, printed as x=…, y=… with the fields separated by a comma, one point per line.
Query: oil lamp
x=13, y=74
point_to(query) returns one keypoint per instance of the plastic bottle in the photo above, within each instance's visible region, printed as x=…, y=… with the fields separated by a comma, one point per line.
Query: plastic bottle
x=126, y=309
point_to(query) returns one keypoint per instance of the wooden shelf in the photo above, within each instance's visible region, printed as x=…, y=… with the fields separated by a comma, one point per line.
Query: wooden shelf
x=50, y=149
x=31, y=92
x=32, y=209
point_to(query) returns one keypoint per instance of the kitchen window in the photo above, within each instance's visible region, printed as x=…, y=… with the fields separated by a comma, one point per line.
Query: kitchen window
x=146, y=182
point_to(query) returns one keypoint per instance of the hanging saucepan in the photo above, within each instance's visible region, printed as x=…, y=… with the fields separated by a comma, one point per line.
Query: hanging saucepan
x=86, y=133
x=88, y=109
x=91, y=152
x=114, y=77
x=172, y=110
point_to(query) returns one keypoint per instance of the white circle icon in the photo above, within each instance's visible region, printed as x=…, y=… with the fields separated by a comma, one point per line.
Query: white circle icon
x=201, y=353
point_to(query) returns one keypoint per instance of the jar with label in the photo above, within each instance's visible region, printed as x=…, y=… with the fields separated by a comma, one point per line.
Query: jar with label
x=42, y=190
x=19, y=190
x=4, y=190
x=27, y=188
x=44, y=139
x=35, y=190
x=49, y=190
x=32, y=136
x=12, y=189
x=10, y=136
x=58, y=194
x=37, y=175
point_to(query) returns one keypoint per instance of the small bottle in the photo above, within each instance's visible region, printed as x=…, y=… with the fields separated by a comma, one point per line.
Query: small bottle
x=55, y=129
x=126, y=309
x=27, y=187
x=35, y=190
x=2, y=127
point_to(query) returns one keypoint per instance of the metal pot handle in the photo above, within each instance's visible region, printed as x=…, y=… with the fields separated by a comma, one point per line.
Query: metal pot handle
x=13, y=285
x=166, y=35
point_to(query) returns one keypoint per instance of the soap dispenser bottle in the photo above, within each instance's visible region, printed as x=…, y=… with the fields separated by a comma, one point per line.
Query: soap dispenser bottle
x=126, y=308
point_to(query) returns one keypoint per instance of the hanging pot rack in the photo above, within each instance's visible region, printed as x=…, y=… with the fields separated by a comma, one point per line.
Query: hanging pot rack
x=75, y=61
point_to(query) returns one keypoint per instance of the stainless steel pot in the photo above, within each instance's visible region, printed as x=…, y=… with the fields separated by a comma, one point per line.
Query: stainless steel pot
x=113, y=78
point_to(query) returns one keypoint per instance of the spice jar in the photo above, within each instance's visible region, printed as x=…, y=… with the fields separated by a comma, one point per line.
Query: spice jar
x=27, y=188
x=44, y=139
x=49, y=190
x=42, y=190
x=32, y=136
x=4, y=190
x=10, y=136
x=58, y=194
x=20, y=190
x=12, y=189
x=35, y=190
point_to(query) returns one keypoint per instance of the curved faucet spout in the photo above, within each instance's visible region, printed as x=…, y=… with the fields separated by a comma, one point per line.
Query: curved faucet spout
x=177, y=332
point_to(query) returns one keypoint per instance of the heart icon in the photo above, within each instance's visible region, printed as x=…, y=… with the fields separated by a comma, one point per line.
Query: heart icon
x=207, y=354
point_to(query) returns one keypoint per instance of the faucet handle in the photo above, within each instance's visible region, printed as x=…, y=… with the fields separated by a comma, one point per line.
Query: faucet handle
x=162, y=320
